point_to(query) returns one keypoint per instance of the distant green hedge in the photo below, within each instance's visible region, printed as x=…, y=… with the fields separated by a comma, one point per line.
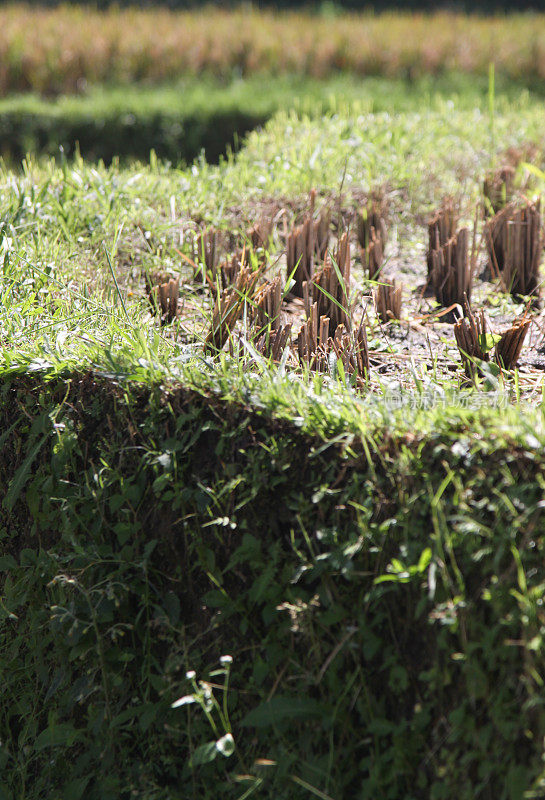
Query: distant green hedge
x=177, y=137
x=382, y=601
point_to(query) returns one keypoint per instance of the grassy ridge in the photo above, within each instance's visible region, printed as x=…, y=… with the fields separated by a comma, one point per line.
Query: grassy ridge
x=178, y=121
x=380, y=595
x=60, y=50
x=373, y=565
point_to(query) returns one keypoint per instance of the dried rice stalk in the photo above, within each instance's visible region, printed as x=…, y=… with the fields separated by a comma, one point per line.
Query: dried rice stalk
x=371, y=234
x=524, y=242
x=498, y=189
x=300, y=255
x=268, y=303
x=510, y=345
x=514, y=239
x=260, y=233
x=495, y=235
x=206, y=250
x=469, y=333
x=228, y=308
x=371, y=217
x=372, y=257
x=164, y=299
x=307, y=245
x=322, y=225
x=387, y=297
x=351, y=349
x=451, y=273
x=273, y=343
x=314, y=331
x=231, y=267
x=330, y=293
x=441, y=228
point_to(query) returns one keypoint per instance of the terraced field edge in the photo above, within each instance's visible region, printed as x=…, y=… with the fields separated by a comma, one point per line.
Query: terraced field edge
x=381, y=600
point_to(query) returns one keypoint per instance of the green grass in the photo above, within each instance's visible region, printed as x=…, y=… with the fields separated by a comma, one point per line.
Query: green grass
x=179, y=120
x=372, y=559
x=59, y=220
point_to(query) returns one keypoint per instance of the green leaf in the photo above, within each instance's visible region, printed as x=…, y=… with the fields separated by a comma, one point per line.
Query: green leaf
x=75, y=789
x=7, y=563
x=204, y=754
x=282, y=708
x=398, y=577
x=517, y=781
x=63, y=734
x=487, y=341
x=424, y=560
x=18, y=481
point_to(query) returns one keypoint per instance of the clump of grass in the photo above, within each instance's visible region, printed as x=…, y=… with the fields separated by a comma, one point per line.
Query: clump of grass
x=387, y=298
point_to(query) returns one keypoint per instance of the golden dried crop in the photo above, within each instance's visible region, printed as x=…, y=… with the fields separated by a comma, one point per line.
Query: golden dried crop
x=58, y=50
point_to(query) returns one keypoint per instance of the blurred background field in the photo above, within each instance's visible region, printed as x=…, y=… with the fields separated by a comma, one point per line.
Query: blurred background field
x=64, y=49
x=124, y=81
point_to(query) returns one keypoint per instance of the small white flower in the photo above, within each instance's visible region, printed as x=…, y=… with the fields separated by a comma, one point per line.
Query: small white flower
x=226, y=745
x=224, y=660
x=190, y=675
x=183, y=701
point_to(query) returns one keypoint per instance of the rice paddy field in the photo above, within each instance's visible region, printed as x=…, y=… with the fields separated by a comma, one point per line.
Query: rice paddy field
x=271, y=422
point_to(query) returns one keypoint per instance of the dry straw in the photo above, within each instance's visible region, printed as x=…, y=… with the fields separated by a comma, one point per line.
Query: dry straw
x=470, y=334
x=514, y=240
x=371, y=235
x=164, y=299
x=268, y=302
x=387, y=297
x=330, y=288
x=228, y=308
x=509, y=347
x=306, y=246
x=451, y=273
x=272, y=343
x=441, y=228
